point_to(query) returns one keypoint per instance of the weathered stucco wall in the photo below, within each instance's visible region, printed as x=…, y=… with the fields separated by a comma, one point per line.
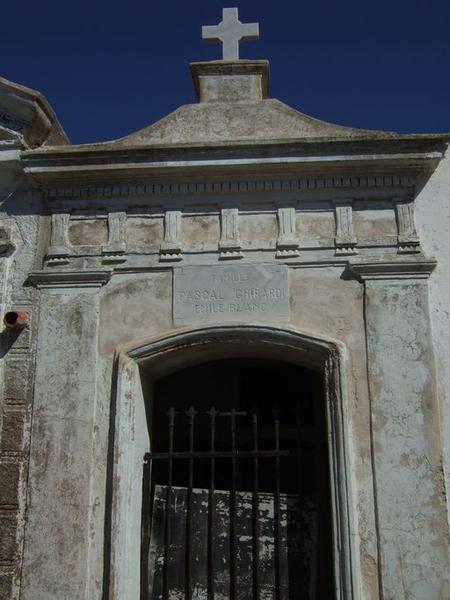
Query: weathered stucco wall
x=85, y=322
x=20, y=211
x=91, y=250
x=433, y=224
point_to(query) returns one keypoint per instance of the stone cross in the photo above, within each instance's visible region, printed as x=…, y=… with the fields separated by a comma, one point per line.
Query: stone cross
x=230, y=32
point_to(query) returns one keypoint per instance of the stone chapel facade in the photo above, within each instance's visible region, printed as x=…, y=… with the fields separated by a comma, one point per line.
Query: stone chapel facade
x=165, y=275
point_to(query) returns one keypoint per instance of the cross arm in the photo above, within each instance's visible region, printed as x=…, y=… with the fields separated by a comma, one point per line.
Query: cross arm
x=211, y=33
x=250, y=31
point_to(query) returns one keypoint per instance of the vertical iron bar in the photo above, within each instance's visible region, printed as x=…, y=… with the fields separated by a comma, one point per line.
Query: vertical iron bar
x=317, y=396
x=299, y=480
x=167, y=528
x=146, y=526
x=255, y=509
x=212, y=484
x=278, y=556
x=188, y=574
x=233, y=508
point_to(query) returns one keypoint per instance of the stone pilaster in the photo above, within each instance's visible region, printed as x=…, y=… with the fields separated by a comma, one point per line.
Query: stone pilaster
x=61, y=509
x=410, y=507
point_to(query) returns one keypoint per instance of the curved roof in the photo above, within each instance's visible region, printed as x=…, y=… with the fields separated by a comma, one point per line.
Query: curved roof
x=267, y=119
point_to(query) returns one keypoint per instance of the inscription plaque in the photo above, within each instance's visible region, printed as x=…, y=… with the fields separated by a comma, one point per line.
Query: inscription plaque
x=230, y=293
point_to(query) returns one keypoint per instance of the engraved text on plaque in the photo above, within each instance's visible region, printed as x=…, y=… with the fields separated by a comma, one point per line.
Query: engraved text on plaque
x=230, y=293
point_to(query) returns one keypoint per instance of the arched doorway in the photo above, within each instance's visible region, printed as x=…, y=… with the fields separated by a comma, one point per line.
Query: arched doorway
x=139, y=372
x=236, y=495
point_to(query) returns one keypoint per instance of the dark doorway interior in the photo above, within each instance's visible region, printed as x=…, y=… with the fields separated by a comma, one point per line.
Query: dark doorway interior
x=236, y=486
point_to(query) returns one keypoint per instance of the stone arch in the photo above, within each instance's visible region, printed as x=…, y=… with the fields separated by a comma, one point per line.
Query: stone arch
x=130, y=437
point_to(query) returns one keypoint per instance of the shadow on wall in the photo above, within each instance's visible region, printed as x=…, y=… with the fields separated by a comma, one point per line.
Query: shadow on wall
x=8, y=338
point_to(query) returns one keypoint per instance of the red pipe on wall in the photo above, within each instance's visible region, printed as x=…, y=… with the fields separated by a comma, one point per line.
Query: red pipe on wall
x=15, y=319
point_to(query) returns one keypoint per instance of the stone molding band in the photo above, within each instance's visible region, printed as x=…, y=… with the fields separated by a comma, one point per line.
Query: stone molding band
x=47, y=279
x=226, y=187
x=419, y=269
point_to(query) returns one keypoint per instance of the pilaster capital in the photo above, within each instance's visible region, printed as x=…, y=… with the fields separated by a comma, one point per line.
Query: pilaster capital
x=393, y=270
x=69, y=279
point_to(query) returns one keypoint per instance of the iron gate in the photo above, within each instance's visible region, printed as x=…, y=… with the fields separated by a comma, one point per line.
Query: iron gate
x=242, y=542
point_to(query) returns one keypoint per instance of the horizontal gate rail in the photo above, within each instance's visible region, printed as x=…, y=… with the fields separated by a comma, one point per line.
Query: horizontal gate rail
x=225, y=454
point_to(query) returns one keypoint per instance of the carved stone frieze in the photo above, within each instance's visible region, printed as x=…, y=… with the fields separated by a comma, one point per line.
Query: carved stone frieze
x=287, y=243
x=59, y=249
x=229, y=245
x=345, y=239
x=115, y=249
x=171, y=245
x=227, y=187
x=408, y=241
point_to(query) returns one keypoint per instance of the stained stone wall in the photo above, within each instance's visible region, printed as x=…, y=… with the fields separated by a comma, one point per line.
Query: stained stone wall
x=20, y=252
x=433, y=225
x=130, y=260
x=86, y=315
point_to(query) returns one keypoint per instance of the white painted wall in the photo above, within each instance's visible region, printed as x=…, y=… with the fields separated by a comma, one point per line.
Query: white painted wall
x=433, y=226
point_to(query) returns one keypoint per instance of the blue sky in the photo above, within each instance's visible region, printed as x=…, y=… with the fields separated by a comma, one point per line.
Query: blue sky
x=110, y=68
